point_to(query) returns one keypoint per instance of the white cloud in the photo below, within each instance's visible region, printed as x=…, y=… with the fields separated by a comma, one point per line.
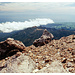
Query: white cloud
x=11, y=26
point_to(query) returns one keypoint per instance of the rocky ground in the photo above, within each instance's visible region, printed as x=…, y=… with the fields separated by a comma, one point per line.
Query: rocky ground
x=62, y=50
x=55, y=56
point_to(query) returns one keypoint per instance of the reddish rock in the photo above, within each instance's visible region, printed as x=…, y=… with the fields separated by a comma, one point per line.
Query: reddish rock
x=10, y=47
x=73, y=52
x=18, y=54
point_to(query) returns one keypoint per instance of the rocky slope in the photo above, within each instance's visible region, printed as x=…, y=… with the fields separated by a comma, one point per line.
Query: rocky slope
x=62, y=50
x=57, y=56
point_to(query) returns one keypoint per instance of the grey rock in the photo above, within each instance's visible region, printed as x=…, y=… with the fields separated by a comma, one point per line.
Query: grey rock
x=55, y=67
x=21, y=64
x=44, y=39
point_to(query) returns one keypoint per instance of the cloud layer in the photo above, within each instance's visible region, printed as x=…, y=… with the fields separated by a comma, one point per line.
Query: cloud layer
x=11, y=26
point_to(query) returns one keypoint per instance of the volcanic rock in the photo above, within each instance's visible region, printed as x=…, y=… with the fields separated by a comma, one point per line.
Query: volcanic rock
x=44, y=39
x=9, y=47
x=58, y=56
x=21, y=64
x=62, y=50
x=55, y=67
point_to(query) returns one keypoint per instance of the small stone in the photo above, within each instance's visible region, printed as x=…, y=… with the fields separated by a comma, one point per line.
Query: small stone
x=47, y=57
x=18, y=54
x=2, y=64
x=74, y=60
x=40, y=67
x=64, y=60
x=71, y=70
x=34, y=71
x=36, y=50
x=31, y=54
x=71, y=60
x=43, y=61
x=47, y=60
x=69, y=64
x=51, y=59
x=47, y=65
x=6, y=58
x=23, y=51
x=36, y=60
x=64, y=43
x=73, y=52
x=58, y=50
x=69, y=49
x=39, y=57
x=30, y=51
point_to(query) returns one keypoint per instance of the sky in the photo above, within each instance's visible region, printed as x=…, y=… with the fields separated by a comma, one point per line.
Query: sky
x=57, y=11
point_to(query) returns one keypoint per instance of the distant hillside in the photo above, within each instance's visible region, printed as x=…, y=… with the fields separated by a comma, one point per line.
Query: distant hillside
x=64, y=25
x=27, y=36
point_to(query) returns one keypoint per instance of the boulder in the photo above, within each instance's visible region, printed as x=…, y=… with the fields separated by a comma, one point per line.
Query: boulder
x=44, y=39
x=55, y=67
x=21, y=64
x=9, y=47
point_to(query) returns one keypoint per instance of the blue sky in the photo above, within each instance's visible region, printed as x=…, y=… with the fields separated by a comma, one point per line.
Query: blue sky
x=58, y=11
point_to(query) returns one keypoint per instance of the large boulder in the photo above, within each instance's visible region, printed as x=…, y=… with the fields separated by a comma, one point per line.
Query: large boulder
x=44, y=39
x=21, y=64
x=9, y=47
x=55, y=67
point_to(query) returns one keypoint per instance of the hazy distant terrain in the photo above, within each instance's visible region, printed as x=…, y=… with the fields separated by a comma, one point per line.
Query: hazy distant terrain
x=62, y=25
x=30, y=30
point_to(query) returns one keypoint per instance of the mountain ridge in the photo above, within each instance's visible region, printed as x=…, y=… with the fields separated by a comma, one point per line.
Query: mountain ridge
x=27, y=36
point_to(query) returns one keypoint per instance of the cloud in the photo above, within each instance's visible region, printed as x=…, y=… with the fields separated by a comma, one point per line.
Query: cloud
x=11, y=26
x=52, y=10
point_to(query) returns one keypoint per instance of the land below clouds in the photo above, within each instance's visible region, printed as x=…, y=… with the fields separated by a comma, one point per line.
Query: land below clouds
x=27, y=36
x=34, y=29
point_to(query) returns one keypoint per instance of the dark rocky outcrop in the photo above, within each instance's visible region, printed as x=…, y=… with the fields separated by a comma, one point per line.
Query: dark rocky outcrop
x=10, y=47
x=44, y=39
